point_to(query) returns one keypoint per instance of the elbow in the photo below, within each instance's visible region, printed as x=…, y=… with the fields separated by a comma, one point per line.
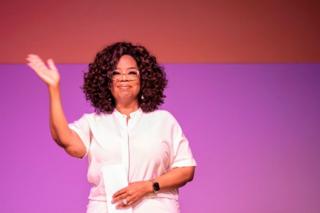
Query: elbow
x=75, y=152
x=190, y=175
x=72, y=150
x=58, y=141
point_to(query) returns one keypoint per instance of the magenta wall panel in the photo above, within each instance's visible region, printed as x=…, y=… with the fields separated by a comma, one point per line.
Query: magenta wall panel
x=254, y=131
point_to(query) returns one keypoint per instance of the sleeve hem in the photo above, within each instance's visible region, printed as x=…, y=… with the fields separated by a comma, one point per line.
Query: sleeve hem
x=82, y=139
x=184, y=163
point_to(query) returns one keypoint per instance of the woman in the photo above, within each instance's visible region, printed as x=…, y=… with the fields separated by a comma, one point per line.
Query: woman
x=138, y=155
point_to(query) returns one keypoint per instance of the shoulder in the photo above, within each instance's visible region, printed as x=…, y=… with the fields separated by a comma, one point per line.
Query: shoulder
x=161, y=114
x=93, y=116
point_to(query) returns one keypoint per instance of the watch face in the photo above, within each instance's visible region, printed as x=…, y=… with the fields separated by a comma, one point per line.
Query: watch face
x=156, y=186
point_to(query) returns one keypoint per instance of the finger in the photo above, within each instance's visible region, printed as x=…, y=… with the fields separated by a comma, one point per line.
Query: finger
x=51, y=64
x=31, y=59
x=122, y=205
x=35, y=68
x=134, y=203
x=130, y=202
x=32, y=55
x=119, y=198
x=34, y=58
x=121, y=191
x=39, y=64
x=40, y=73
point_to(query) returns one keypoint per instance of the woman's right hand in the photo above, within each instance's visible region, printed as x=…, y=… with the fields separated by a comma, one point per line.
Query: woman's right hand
x=48, y=73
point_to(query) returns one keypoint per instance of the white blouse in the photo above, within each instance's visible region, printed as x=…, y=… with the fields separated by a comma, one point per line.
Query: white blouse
x=147, y=145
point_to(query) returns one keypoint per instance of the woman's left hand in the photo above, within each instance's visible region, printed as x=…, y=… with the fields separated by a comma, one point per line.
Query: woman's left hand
x=131, y=194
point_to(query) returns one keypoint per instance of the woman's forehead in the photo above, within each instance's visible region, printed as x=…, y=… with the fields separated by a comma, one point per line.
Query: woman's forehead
x=126, y=62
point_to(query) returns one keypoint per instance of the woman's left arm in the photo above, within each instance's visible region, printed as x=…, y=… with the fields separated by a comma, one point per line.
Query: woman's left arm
x=173, y=179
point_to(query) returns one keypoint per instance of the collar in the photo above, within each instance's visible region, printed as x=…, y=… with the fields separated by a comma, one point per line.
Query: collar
x=131, y=115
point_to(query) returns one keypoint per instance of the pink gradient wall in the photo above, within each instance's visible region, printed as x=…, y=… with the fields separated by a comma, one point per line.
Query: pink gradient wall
x=180, y=31
x=254, y=130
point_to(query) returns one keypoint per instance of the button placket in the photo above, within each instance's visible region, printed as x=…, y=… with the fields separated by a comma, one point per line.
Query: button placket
x=125, y=127
x=125, y=144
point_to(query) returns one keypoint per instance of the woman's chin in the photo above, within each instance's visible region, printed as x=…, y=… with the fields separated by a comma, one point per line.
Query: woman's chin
x=126, y=98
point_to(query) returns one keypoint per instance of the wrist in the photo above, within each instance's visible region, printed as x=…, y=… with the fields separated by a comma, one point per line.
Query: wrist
x=54, y=91
x=155, y=186
x=54, y=87
x=149, y=187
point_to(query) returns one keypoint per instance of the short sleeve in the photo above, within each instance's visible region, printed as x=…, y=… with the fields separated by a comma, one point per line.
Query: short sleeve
x=182, y=154
x=82, y=128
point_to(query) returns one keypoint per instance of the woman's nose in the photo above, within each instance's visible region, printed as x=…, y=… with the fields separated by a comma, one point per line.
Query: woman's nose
x=124, y=77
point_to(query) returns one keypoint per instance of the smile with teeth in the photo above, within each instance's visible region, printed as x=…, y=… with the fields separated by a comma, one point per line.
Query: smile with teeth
x=124, y=86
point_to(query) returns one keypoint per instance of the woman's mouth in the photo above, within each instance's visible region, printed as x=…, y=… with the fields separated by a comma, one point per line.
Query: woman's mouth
x=124, y=86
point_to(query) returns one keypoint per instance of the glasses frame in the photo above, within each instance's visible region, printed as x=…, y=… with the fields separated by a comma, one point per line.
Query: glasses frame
x=128, y=76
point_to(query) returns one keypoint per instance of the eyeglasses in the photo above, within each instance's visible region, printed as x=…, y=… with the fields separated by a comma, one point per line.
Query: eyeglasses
x=132, y=75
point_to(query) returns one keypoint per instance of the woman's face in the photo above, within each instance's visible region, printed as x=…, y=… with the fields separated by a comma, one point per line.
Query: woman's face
x=126, y=80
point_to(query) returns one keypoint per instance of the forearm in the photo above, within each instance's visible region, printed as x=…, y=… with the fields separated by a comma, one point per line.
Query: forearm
x=175, y=178
x=135, y=191
x=59, y=129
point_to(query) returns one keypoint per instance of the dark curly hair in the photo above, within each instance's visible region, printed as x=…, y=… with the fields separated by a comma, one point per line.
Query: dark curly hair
x=97, y=80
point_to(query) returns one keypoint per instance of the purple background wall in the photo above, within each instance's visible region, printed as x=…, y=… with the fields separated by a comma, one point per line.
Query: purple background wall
x=254, y=130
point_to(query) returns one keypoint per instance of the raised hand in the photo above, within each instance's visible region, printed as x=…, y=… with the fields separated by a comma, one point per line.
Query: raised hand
x=48, y=73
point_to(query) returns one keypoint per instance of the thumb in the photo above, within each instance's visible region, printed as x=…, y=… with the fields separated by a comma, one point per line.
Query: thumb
x=51, y=64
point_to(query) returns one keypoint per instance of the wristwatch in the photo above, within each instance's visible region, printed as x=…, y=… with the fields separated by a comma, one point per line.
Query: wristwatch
x=156, y=187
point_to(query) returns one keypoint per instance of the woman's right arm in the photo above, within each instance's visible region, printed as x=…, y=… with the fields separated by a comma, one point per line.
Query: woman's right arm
x=60, y=132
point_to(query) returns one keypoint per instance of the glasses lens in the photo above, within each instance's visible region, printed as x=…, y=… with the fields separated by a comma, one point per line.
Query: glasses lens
x=131, y=75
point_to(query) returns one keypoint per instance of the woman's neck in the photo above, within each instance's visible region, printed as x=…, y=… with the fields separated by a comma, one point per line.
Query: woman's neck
x=126, y=109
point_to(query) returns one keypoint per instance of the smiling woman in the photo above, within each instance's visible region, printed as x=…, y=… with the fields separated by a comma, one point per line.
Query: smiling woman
x=125, y=82
x=138, y=155
x=105, y=68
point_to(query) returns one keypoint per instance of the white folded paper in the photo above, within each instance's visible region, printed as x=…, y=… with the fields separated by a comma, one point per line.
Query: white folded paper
x=115, y=178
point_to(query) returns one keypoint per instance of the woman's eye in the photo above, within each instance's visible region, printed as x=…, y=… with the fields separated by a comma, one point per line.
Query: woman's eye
x=133, y=73
x=115, y=73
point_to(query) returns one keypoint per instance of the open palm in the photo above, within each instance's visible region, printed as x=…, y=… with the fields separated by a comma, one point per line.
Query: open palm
x=47, y=73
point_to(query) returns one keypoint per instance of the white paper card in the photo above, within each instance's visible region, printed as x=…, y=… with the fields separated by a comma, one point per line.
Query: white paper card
x=115, y=178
